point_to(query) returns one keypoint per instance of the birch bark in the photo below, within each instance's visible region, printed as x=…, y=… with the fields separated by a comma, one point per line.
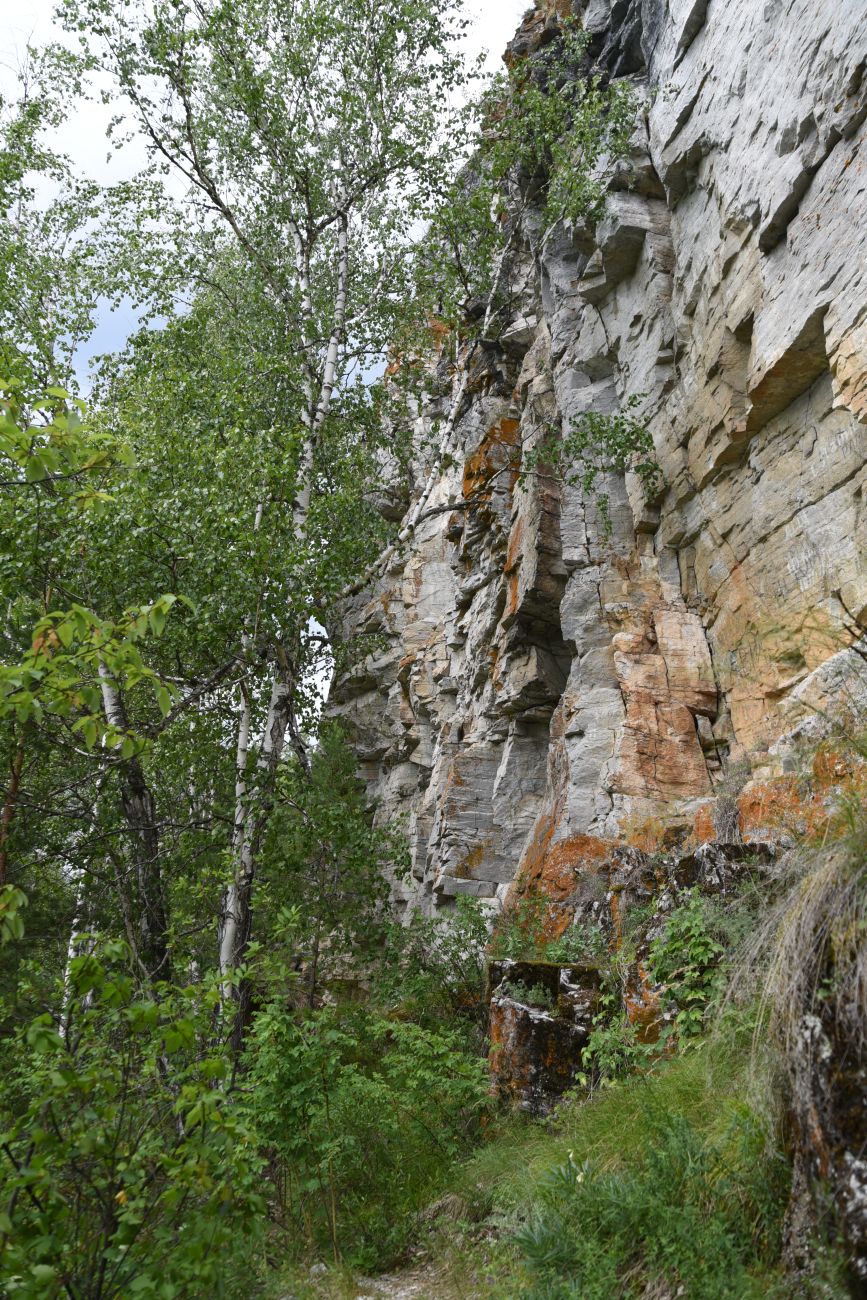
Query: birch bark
x=252, y=799
x=140, y=813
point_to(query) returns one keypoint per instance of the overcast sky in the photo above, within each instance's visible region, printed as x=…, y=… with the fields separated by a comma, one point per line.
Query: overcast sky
x=24, y=22
x=30, y=21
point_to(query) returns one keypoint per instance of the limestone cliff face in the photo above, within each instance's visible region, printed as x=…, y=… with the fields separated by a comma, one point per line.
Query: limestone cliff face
x=540, y=682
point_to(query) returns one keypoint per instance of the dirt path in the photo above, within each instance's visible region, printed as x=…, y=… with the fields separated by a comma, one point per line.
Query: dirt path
x=421, y=1283
x=424, y=1280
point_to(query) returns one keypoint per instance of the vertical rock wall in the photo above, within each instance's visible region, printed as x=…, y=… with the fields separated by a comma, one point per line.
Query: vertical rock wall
x=539, y=681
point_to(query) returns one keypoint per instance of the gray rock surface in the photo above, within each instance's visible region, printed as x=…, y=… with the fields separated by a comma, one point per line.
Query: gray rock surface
x=538, y=679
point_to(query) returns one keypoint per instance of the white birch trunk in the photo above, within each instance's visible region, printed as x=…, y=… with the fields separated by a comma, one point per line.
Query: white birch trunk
x=250, y=824
x=72, y=949
x=230, y=919
x=140, y=812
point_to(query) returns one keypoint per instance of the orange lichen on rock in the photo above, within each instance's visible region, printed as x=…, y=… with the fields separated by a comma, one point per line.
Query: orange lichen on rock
x=780, y=804
x=512, y=567
x=648, y=834
x=703, y=827
x=497, y=451
x=552, y=873
x=804, y=809
x=642, y=1005
x=536, y=1049
x=834, y=767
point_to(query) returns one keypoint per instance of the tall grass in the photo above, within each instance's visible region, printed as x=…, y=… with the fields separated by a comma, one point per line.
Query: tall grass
x=668, y=1183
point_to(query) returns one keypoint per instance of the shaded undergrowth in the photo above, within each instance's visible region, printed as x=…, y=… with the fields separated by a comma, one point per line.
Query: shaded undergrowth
x=673, y=1176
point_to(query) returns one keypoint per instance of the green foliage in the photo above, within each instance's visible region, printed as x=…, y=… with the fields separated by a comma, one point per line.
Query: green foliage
x=686, y=959
x=560, y=126
x=285, y=121
x=53, y=451
x=616, y=1050
x=53, y=467
x=127, y=1170
x=326, y=860
x=533, y=995
x=670, y=1179
x=66, y=247
x=433, y=968
x=595, y=445
x=70, y=651
x=548, y=128
x=585, y=942
x=12, y=904
x=683, y=1211
x=519, y=932
x=361, y=1115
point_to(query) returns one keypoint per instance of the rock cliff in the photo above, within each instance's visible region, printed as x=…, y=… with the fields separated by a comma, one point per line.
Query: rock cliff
x=544, y=684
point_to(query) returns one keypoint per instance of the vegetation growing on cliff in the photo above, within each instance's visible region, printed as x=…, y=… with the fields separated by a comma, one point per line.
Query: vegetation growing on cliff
x=225, y=1062
x=188, y=871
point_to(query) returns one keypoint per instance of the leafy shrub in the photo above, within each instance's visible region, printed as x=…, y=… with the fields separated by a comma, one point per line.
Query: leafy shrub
x=685, y=957
x=433, y=969
x=326, y=860
x=615, y=1049
x=519, y=933
x=531, y=995
x=129, y=1171
x=580, y=943
x=361, y=1115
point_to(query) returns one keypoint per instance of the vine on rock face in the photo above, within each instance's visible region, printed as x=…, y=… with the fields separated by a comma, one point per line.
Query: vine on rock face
x=595, y=445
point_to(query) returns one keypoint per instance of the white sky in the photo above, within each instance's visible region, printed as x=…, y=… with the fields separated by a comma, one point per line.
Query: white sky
x=24, y=22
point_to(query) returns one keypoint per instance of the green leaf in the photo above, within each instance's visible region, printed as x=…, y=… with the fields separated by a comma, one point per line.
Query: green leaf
x=42, y=1036
x=34, y=470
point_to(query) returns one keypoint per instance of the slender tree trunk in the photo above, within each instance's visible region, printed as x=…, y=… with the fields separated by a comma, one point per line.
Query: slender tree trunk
x=232, y=921
x=250, y=826
x=10, y=806
x=253, y=805
x=73, y=948
x=140, y=812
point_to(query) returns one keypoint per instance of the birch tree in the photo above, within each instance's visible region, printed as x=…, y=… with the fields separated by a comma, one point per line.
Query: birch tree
x=309, y=139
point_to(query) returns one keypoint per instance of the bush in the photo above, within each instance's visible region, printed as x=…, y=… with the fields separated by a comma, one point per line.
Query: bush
x=532, y=995
x=361, y=1115
x=433, y=969
x=129, y=1172
x=520, y=934
x=685, y=958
